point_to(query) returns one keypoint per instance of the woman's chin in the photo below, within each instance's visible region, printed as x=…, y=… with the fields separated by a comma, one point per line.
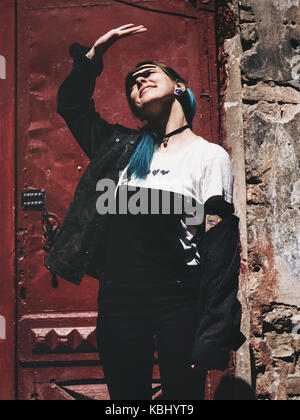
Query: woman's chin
x=151, y=105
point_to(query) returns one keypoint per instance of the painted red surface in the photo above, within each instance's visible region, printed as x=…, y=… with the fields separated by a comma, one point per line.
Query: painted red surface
x=7, y=176
x=56, y=326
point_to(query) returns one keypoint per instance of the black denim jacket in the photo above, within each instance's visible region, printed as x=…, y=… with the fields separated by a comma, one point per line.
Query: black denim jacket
x=79, y=244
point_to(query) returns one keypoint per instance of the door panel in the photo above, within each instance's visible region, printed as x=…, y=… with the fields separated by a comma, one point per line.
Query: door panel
x=57, y=320
x=7, y=199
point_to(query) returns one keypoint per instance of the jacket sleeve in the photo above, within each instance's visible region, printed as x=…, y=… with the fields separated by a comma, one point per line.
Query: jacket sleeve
x=218, y=330
x=75, y=103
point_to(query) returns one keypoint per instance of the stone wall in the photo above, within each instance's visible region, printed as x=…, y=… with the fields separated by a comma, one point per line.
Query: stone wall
x=262, y=120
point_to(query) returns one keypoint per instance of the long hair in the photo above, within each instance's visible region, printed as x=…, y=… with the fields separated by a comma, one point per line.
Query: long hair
x=140, y=161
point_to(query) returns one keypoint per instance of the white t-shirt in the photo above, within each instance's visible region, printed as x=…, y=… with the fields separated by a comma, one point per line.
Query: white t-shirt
x=198, y=171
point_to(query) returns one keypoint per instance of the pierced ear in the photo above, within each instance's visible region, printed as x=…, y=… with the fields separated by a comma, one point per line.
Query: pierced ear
x=181, y=86
x=180, y=89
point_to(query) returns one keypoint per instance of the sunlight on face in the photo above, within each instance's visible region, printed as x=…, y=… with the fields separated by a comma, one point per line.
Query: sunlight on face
x=149, y=84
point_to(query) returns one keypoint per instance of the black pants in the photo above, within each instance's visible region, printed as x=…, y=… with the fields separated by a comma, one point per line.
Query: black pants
x=130, y=314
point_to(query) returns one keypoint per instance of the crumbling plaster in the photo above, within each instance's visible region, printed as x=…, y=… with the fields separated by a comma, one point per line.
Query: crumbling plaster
x=262, y=120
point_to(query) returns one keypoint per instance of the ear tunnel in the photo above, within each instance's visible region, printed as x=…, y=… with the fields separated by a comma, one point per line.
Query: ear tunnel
x=179, y=92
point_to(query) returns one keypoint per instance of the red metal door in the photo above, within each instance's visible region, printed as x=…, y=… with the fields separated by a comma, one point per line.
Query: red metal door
x=57, y=356
x=7, y=199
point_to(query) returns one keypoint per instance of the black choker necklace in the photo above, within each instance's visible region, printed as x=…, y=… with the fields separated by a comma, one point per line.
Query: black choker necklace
x=167, y=136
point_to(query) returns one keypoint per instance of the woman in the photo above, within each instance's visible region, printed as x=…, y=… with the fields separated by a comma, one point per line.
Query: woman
x=147, y=261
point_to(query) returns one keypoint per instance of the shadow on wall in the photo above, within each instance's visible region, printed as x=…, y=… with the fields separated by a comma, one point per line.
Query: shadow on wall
x=234, y=389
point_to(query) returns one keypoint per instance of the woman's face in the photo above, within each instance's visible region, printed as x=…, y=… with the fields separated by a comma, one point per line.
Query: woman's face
x=151, y=89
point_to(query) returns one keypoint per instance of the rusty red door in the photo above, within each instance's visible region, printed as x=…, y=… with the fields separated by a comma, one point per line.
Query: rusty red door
x=57, y=353
x=7, y=199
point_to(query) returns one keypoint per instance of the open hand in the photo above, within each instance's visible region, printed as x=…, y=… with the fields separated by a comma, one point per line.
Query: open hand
x=106, y=41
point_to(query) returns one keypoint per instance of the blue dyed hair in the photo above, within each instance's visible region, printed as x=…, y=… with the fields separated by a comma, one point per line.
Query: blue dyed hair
x=140, y=161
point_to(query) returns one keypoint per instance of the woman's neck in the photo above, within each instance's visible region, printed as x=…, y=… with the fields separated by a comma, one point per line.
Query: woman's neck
x=169, y=121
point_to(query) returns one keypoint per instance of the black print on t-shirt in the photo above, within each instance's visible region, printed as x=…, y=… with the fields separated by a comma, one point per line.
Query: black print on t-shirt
x=157, y=171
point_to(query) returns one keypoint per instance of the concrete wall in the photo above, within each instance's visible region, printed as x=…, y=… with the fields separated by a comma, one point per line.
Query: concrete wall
x=262, y=120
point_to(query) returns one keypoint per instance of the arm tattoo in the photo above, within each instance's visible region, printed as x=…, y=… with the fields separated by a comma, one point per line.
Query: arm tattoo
x=211, y=220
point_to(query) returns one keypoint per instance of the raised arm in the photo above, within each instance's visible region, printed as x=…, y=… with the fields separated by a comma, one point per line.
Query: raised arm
x=74, y=99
